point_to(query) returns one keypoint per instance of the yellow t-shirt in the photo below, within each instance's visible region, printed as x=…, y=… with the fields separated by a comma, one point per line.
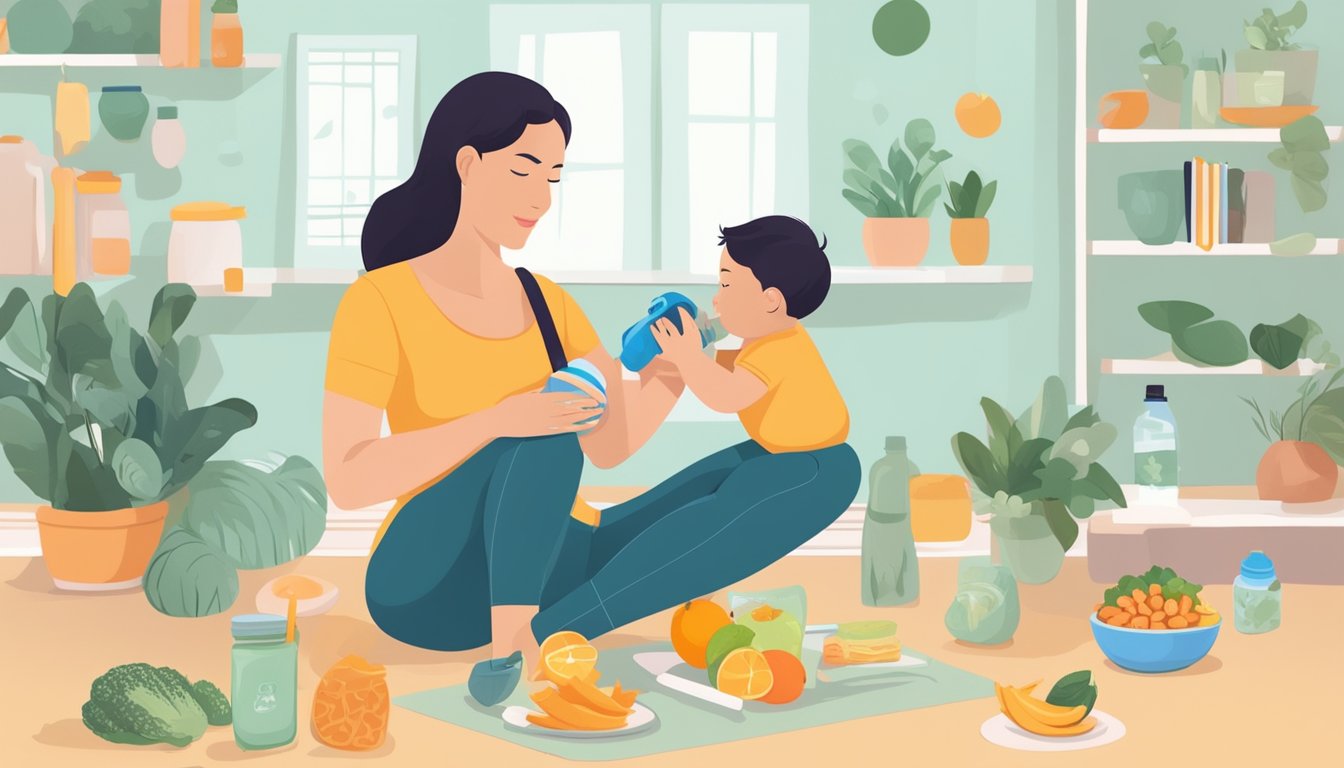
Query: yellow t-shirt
x=393, y=348
x=802, y=409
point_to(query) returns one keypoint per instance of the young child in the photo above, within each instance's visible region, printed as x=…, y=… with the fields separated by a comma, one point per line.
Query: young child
x=772, y=274
x=738, y=510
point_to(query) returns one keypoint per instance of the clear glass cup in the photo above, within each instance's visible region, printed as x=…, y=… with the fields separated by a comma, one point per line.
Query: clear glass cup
x=785, y=632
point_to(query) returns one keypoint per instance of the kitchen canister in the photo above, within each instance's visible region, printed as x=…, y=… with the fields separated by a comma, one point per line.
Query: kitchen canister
x=102, y=226
x=206, y=239
x=124, y=111
x=24, y=228
x=167, y=139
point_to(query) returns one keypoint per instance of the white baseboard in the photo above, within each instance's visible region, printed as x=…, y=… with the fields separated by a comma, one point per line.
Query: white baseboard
x=350, y=534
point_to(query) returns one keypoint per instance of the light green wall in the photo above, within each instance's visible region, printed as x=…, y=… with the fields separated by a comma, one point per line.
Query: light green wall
x=910, y=360
x=1218, y=443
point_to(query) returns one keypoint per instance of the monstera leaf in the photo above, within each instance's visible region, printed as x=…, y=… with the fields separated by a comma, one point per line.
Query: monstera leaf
x=187, y=577
x=255, y=517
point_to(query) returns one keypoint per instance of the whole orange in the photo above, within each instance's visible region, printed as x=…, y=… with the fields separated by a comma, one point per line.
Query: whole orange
x=978, y=114
x=789, y=677
x=693, y=624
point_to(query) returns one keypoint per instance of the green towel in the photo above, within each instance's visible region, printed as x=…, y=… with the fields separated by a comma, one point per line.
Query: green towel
x=684, y=722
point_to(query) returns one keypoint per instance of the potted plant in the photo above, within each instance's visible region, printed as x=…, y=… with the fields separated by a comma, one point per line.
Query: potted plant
x=1272, y=51
x=1164, y=75
x=970, y=201
x=1037, y=474
x=99, y=428
x=898, y=199
x=1306, y=444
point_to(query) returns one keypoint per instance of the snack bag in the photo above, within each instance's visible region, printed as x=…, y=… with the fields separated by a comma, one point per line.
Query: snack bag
x=351, y=706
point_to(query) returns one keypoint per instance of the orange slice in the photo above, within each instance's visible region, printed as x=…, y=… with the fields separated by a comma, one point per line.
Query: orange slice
x=546, y=721
x=578, y=691
x=626, y=698
x=574, y=715
x=746, y=674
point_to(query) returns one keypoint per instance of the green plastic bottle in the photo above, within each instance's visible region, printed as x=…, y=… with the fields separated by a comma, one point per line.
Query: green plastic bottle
x=890, y=569
x=265, y=683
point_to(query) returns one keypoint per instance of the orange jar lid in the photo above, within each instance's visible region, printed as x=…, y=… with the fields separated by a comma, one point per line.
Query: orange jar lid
x=98, y=183
x=208, y=211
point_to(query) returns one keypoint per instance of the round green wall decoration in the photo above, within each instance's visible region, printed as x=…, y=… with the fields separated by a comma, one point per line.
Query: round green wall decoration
x=901, y=27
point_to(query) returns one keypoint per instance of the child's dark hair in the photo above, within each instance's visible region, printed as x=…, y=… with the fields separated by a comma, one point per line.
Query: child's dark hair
x=782, y=253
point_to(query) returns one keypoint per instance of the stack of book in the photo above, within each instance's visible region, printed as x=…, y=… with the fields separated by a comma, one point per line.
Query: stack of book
x=1215, y=203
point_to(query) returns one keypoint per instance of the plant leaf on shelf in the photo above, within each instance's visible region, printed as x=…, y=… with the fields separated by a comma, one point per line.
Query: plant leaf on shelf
x=867, y=206
x=1214, y=342
x=1171, y=316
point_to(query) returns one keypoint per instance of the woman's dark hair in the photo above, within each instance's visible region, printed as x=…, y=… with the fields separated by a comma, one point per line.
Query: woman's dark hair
x=782, y=253
x=486, y=112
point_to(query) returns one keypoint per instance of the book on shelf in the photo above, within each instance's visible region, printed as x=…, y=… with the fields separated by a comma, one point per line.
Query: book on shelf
x=1236, y=205
x=1222, y=203
x=1216, y=203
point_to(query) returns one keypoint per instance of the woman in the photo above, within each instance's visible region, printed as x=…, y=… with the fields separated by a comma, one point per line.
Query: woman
x=440, y=337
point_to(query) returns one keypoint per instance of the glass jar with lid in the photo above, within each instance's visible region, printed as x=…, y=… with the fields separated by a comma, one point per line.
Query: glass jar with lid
x=102, y=226
x=206, y=240
x=265, y=682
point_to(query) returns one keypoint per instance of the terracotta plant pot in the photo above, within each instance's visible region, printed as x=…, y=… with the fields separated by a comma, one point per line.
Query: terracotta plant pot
x=895, y=242
x=970, y=241
x=1296, y=472
x=100, y=551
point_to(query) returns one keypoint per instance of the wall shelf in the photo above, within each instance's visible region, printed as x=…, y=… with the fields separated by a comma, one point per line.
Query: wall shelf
x=1174, y=367
x=1325, y=246
x=1195, y=135
x=125, y=61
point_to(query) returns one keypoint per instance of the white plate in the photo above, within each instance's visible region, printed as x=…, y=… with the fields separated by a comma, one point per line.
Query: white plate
x=641, y=719
x=1005, y=733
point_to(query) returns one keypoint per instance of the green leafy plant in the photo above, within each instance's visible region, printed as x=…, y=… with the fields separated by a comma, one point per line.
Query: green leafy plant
x=1304, y=144
x=970, y=200
x=1162, y=46
x=1044, y=462
x=1076, y=689
x=224, y=6
x=100, y=421
x=1316, y=416
x=1270, y=31
x=1199, y=339
x=903, y=189
x=117, y=26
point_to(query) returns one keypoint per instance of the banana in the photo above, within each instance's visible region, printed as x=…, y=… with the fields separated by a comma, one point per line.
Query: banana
x=1041, y=718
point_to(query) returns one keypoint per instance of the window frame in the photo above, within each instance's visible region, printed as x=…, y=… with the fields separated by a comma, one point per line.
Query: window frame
x=633, y=22
x=790, y=23
x=344, y=256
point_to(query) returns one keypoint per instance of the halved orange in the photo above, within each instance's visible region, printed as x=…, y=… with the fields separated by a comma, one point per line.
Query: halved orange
x=569, y=662
x=554, y=643
x=745, y=673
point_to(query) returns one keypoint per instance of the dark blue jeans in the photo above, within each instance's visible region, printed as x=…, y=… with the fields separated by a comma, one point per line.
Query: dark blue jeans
x=497, y=531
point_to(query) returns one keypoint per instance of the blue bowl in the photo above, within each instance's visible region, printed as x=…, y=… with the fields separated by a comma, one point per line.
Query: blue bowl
x=1163, y=650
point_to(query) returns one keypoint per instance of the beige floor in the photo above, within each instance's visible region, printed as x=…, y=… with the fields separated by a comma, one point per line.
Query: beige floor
x=1255, y=698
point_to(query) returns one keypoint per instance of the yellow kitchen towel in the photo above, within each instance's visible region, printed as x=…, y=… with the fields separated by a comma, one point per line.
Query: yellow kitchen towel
x=72, y=116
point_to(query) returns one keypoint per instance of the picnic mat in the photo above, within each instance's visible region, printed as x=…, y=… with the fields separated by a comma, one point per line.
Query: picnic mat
x=684, y=722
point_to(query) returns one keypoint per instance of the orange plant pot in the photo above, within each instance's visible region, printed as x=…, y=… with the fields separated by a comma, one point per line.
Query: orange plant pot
x=100, y=551
x=1296, y=472
x=970, y=241
x=1124, y=109
x=895, y=242
x=940, y=507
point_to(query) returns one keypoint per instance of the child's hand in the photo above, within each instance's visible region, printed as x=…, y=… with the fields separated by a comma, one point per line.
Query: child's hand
x=678, y=345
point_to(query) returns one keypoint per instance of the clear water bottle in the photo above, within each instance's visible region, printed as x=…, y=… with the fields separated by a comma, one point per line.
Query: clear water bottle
x=1257, y=595
x=711, y=331
x=1155, y=451
x=890, y=569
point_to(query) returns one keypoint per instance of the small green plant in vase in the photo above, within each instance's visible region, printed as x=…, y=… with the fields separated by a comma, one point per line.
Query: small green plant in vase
x=1037, y=474
x=895, y=200
x=1306, y=443
x=1272, y=49
x=968, y=203
x=1164, y=74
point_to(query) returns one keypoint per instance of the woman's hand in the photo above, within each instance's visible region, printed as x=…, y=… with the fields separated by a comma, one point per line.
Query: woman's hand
x=678, y=345
x=534, y=414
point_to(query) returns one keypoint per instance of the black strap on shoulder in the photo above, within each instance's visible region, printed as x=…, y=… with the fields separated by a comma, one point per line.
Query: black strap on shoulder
x=545, y=323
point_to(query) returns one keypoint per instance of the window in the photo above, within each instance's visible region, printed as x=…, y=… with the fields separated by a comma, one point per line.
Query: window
x=594, y=60
x=734, y=141
x=727, y=128
x=354, y=123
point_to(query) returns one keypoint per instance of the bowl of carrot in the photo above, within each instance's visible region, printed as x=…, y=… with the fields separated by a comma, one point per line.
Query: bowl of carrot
x=1155, y=622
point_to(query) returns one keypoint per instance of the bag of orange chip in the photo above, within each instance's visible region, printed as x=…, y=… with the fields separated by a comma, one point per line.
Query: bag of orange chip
x=351, y=706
